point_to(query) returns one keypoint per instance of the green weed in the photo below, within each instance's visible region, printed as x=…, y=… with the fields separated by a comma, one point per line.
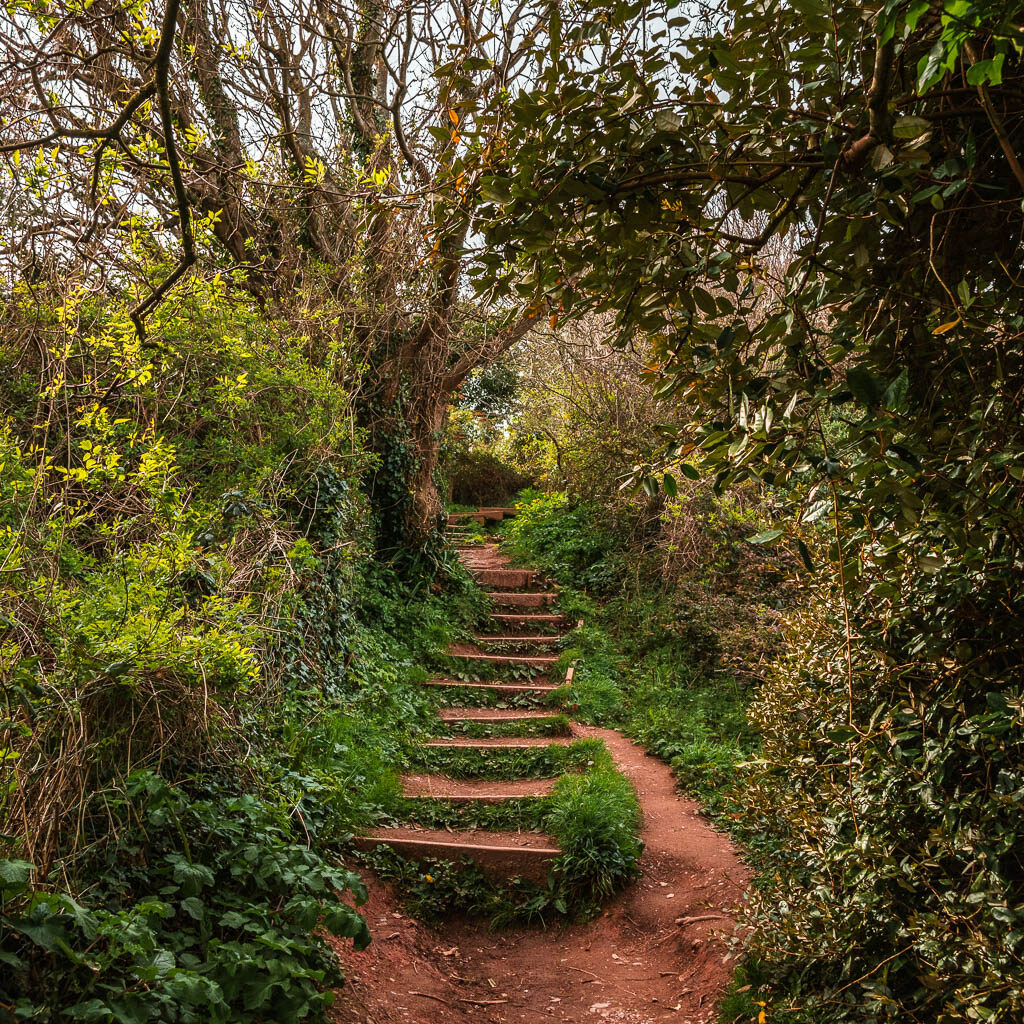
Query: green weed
x=507, y=763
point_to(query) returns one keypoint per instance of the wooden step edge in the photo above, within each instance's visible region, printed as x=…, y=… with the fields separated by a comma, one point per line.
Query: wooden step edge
x=521, y=599
x=476, y=798
x=496, y=858
x=505, y=638
x=486, y=514
x=461, y=715
x=537, y=687
x=461, y=791
x=528, y=617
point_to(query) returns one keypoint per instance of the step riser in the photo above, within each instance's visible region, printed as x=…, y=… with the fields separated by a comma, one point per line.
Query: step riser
x=506, y=579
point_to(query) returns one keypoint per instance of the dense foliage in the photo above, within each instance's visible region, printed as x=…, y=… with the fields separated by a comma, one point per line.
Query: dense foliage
x=208, y=683
x=232, y=320
x=815, y=211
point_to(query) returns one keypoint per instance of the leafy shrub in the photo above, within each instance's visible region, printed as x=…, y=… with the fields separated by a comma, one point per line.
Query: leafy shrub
x=906, y=873
x=193, y=636
x=207, y=910
x=481, y=478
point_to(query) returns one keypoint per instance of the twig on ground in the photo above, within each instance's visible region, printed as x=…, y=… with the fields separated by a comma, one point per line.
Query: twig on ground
x=427, y=995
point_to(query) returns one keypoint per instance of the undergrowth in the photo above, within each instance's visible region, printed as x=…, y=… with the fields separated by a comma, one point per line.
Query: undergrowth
x=648, y=655
x=208, y=681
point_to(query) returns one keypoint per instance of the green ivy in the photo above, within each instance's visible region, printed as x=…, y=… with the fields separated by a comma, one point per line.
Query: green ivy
x=208, y=909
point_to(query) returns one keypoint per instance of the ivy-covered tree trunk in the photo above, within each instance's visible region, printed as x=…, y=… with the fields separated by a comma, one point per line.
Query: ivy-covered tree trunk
x=406, y=421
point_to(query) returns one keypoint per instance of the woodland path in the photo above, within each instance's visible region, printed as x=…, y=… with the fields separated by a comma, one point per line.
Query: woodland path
x=657, y=953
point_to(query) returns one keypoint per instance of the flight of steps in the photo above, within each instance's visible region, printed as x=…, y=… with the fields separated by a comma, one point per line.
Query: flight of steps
x=519, y=649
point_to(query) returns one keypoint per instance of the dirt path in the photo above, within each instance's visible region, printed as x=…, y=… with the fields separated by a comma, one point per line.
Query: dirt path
x=635, y=964
x=656, y=954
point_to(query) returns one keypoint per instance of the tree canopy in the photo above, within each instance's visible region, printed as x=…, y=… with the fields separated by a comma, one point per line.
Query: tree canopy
x=814, y=212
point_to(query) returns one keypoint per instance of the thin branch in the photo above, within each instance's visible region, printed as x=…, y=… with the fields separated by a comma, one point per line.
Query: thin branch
x=997, y=124
x=161, y=67
x=853, y=157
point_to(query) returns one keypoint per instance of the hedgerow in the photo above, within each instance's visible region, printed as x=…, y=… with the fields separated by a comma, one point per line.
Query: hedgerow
x=208, y=680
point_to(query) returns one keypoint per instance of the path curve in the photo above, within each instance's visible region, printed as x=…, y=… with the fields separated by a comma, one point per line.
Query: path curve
x=633, y=965
x=657, y=953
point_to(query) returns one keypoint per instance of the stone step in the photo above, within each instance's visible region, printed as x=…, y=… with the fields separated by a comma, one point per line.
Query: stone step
x=479, y=791
x=538, y=599
x=504, y=854
x=505, y=579
x=502, y=742
x=491, y=715
x=537, y=687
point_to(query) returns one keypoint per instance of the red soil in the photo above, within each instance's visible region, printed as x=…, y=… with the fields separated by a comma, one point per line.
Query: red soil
x=656, y=954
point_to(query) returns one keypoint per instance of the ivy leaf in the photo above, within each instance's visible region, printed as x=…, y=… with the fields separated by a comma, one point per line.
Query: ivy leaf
x=863, y=386
x=766, y=537
x=990, y=71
